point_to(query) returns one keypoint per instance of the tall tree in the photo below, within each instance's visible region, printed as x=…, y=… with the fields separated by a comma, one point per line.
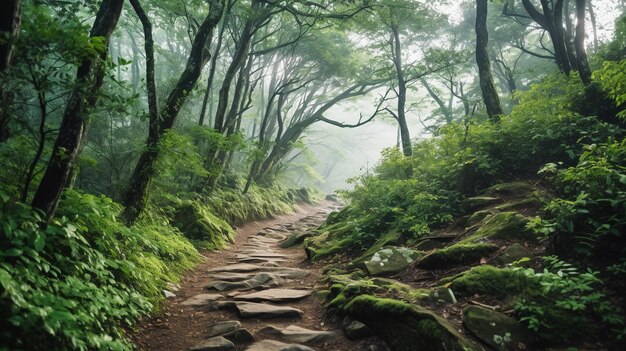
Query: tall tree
x=134, y=198
x=488, y=88
x=89, y=78
x=10, y=19
x=579, y=43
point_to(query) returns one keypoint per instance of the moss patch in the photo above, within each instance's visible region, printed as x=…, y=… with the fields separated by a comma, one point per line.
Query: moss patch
x=505, y=225
x=406, y=327
x=489, y=280
x=457, y=254
x=198, y=223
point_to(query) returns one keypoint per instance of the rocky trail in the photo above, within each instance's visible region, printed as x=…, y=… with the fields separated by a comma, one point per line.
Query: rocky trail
x=258, y=295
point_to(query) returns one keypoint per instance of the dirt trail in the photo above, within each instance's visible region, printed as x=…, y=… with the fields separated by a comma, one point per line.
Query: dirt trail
x=254, y=263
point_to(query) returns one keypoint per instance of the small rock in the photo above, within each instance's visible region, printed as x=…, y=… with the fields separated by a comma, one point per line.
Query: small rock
x=217, y=343
x=172, y=287
x=223, y=327
x=168, y=294
x=354, y=329
x=514, y=253
x=442, y=296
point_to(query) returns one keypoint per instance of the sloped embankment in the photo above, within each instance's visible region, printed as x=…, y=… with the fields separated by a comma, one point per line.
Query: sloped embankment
x=454, y=289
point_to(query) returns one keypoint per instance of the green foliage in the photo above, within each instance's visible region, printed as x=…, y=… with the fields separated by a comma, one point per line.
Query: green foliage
x=611, y=77
x=71, y=284
x=567, y=302
x=589, y=218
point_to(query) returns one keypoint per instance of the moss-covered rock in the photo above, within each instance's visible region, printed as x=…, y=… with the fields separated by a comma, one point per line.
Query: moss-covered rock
x=515, y=189
x=505, y=225
x=495, y=329
x=477, y=202
x=489, y=280
x=457, y=254
x=390, y=260
x=478, y=216
x=514, y=253
x=406, y=327
x=199, y=223
x=391, y=238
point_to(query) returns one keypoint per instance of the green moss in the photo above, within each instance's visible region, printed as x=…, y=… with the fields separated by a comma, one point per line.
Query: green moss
x=457, y=254
x=517, y=188
x=406, y=327
x=489, y=280
x=199, y=223
x=505, y=225
x=520, y=204
x=482, y=201
x=478, y=216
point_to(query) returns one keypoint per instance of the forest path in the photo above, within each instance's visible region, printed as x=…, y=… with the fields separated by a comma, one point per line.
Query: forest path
x=253, y=296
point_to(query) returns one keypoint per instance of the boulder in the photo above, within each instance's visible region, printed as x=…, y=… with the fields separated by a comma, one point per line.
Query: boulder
x=495, y=329
x=406, y=327
x=390, y=260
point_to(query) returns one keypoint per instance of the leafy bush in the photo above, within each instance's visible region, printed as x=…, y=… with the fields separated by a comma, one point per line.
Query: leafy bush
x=72, y=283
x=589, y=216
x=566, y=302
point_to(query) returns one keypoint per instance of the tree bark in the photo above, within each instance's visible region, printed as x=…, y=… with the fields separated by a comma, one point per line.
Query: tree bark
x=10, y=20
x=89, y=77
x=216, y=52
x=405, y=135
x=153, y=109
x=490, y=95
x=135, y=197
x=579, y=43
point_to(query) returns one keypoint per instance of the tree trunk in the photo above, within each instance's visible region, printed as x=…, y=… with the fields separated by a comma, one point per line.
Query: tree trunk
x=579, y=42
x=216, y=52
x=10, y=19
x=136, y=194
x=238, y=59
x=405, y=135
x=490, y=95
x=89, y=79
x=153, y=128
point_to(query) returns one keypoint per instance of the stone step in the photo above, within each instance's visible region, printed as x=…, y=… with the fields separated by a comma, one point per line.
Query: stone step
x=202, y=299
x=276, y=295
x=297, y=334
x=259, y=310
x=271, y=345
x=260, y=280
